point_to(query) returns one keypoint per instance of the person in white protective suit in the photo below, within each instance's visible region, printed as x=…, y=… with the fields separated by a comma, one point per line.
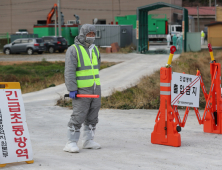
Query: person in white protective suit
x=82, y=65
x=202, y=37
x=168, y=40
x=178, y=42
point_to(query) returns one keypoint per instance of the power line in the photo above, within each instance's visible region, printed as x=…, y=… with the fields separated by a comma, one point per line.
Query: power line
x=22, y=3
x=82, y=9
x=96, y=3
x=25, y=12
x=95, y=9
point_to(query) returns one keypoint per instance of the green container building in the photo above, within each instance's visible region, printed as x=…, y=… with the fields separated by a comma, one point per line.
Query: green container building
x=156, y=25
x=69, y=32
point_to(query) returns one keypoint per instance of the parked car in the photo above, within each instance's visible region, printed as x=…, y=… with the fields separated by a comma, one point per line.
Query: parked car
x=29, y=45
x=54, y=43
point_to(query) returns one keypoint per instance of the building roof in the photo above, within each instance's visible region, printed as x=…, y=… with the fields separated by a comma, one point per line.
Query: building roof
x=202, y=10
x=213, y=23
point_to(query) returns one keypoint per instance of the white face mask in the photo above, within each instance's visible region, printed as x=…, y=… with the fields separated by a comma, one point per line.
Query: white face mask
x=90, y=40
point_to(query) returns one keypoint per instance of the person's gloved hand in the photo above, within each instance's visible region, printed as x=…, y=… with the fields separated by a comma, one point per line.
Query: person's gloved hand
x=73, y=94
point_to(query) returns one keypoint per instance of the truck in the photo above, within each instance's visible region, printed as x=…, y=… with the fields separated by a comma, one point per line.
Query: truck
x=158, y=27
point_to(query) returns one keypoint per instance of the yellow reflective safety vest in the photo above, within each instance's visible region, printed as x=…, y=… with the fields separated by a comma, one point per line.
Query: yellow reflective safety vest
x=202, y=34
x=87, y=73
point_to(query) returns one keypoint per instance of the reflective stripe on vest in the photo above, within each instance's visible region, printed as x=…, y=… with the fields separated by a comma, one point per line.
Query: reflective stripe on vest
x=87, y=72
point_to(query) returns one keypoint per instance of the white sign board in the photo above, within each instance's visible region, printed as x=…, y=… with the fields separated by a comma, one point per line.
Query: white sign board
x=185, y=90
x=15, y=144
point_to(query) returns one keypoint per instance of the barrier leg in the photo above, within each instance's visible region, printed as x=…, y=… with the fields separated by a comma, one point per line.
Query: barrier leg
x=212, y=113
x=30, y=162
x=158, y=116
x=185, y=116
x=211, y=120
x=165, y=130
x=198, y=115
x=177, y=116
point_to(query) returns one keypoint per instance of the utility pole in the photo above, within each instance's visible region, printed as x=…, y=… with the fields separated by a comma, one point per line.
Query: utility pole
x=11, y=14
x=198, y=22
x=112, y=12
x=209, y=3
x=59, y=19
x=56, y=11
x=215, y=10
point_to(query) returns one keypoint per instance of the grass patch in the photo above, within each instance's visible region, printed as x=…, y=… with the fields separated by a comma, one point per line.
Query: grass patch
x=67, y=102
x=37, y=75
x=146, y=95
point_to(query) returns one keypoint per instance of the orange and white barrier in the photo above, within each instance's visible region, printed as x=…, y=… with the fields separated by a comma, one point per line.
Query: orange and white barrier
x=168, y=122
x=166, y=130
x=213, y=110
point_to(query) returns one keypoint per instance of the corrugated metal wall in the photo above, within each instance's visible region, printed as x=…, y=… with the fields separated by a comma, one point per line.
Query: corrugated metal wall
x=109, y=34
x=126, y=33
x=122, y=34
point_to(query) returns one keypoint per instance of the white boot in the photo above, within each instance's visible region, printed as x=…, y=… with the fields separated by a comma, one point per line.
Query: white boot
x=71, y=147
x=73, y=138
x=88, y=136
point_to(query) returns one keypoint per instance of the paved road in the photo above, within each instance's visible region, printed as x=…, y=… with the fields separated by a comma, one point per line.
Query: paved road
x=125, y=139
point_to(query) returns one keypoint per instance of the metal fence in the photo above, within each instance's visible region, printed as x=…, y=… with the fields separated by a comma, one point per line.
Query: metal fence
x=4, y=39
